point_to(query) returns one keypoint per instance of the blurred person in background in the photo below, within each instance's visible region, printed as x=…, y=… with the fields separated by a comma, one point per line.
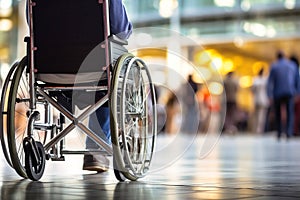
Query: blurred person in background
x=282, y=87
x=172, y=112
x=261, y=101
x=231, y=88
x=190, y=119
x=209, y=105
x=203, y=96
x=294, y=59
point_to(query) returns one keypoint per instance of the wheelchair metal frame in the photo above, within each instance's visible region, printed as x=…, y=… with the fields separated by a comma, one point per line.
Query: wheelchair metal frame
x=77, y=121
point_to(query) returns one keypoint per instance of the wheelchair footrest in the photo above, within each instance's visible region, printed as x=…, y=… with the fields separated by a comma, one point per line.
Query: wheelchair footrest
x=102, y=152
x=62, y=158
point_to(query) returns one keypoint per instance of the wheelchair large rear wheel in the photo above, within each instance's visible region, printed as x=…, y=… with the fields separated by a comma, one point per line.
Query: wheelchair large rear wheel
x=3, y=117
x=133, y=118
x=18, y=112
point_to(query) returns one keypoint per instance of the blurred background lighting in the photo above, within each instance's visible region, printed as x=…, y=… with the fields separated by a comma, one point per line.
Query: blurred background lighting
x=271, y=32
x=246, y=81
x=216, y=63
x=257, y=66
x=198, y=78
x=290, y=4
x=166, y=7
x=246, y=5
x=5, y=8
x=5, y=67
x=259, y=29
x=202, y=57
x=5, y=4
x=204, y=74
x=238, y=41
x=215, y=88
x=224, y=3
x=6, y=24
x=228, y=66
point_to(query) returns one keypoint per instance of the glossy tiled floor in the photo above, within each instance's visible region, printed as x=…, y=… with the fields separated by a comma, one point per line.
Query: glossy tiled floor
x=233, y=167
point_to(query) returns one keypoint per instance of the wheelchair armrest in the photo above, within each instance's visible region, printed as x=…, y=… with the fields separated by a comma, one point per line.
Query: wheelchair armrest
x=117, y=48
x=116, y=39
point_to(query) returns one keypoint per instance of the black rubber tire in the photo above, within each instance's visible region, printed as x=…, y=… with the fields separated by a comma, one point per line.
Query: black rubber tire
x=35, y=170
x=3, y=117
x=15, y=143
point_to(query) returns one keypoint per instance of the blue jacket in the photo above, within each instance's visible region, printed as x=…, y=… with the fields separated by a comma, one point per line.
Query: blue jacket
x=119, y=23
x=283, y=79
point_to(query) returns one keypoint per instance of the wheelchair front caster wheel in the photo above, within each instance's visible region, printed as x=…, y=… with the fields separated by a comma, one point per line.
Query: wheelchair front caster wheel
x=35, y=170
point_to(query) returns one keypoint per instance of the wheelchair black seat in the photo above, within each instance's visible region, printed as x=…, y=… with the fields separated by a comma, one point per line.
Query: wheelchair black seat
x=66, y=39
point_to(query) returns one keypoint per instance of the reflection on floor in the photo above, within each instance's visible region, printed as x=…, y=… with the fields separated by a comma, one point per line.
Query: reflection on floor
x=185, y=167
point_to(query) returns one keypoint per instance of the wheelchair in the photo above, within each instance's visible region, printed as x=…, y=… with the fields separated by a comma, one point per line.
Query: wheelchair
x=73, y=61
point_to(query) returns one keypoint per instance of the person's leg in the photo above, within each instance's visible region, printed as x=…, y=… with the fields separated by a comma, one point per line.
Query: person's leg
x=99, y=123
x=229, y=116
x=297, y=117
x=104, y=121
x=267, y=119
x=260, y=119
x=290, y=116
x=277, y=105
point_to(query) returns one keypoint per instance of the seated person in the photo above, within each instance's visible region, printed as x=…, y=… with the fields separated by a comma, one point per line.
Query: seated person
x=99, y=121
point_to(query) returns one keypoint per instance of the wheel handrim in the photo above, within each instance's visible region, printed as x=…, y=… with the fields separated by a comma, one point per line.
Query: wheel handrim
x=135, y=126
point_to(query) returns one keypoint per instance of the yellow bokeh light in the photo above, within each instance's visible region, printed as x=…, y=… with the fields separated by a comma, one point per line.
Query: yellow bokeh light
x=4, y=53
x=228, y=66
x=238, y=61
x=6, y=24
x=246, y=81
x=202, y=75
x=215, y=88
x=197, y=78
x=216, y=64
x=202, y=58
x=257, y=66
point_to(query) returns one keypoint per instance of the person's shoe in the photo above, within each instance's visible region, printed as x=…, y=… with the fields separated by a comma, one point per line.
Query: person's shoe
x=98, y=163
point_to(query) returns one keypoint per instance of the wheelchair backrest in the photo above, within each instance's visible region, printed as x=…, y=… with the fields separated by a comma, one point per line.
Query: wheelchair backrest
x=64, y=34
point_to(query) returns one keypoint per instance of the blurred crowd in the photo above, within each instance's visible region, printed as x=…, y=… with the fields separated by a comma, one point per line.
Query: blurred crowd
x=194, y=108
